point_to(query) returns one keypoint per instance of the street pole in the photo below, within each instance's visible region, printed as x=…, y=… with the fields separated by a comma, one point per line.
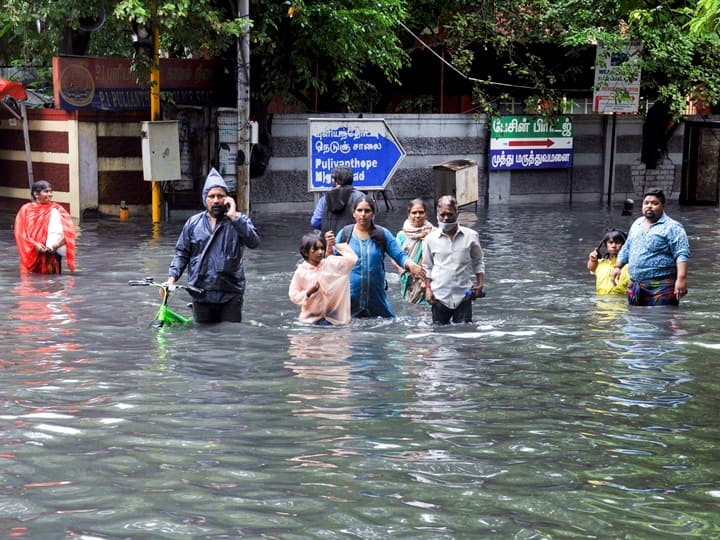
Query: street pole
x=611, y=177
x=243, y=111
x=155, y=106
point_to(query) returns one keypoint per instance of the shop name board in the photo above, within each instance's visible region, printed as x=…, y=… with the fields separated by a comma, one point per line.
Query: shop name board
x=109, y=84
x=530, y=142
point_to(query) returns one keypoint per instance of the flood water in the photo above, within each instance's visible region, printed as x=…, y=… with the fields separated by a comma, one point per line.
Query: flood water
x=555, y=414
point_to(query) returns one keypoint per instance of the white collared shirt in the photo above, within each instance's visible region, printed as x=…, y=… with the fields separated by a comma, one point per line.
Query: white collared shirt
x=452, y=264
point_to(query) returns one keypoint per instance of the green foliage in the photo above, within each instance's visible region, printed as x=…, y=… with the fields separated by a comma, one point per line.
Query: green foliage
x=31, y=30
x=187, y=27
x=676, y=62
x=330, y=54
x=519, y=43
x=303, y=48
x=320, y=50
x=418, y=104
x=539, y=48
x=705, y=17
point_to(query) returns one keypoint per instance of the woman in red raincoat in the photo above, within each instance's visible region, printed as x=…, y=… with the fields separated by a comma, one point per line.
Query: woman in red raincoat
x=44, y=233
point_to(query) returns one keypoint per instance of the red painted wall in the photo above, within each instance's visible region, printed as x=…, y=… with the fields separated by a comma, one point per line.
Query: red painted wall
x=13, y=172
x=113, y=185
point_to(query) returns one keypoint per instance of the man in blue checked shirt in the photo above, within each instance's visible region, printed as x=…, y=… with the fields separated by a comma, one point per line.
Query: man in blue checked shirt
x=656, y=252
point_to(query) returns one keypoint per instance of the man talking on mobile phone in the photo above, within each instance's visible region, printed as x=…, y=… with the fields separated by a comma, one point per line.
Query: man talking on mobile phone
x=211, y=246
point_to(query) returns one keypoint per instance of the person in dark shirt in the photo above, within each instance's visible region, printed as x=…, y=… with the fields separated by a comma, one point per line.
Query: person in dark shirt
x=335, y=209
x=211, y=246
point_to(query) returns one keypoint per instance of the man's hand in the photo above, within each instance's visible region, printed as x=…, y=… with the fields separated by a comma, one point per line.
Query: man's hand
x=232, y=212
x=680, y=287
x=416, y=270
x=429, y=295
x=478, y=292
x=170, y=284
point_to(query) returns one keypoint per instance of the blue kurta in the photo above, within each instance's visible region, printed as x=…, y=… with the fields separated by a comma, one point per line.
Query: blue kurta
x=367, y=280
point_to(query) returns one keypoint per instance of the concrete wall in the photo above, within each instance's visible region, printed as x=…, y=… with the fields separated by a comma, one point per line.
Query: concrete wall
x=430, y=139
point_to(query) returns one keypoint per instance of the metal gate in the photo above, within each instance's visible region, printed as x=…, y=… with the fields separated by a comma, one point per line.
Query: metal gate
x=701, y=164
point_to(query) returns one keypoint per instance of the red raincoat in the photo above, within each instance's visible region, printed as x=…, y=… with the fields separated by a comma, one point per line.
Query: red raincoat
x=31, y=227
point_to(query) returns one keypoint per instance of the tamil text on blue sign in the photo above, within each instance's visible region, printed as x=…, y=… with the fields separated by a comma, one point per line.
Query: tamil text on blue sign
x=367, y=146
x=530, y=142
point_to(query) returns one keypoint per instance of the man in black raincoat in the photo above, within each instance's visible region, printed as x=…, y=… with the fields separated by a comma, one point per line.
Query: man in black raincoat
x=335, y=209
x=211, y=246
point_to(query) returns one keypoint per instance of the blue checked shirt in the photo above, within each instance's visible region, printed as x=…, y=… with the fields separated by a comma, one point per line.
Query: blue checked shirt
x=655, y=253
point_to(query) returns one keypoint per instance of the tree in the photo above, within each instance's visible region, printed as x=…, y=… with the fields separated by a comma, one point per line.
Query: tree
x=344, y=54
x=546, y=48
x=706, y=18
x=677, y=64
x=33, y=31
x=517, y=47
x=324, y=53
x=315, y=51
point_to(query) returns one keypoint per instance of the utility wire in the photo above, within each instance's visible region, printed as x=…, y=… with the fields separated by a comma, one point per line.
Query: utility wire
x=484, y=81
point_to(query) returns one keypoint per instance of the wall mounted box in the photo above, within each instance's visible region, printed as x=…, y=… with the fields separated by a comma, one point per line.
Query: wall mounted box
x=160, y=150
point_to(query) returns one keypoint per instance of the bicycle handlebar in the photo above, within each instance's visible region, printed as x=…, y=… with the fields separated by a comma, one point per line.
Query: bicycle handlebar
x=150, y=282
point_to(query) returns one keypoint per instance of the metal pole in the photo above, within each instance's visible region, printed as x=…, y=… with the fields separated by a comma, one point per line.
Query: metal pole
x=26, y=136
x=243, y=111
x=155, y=106
x=612, y=161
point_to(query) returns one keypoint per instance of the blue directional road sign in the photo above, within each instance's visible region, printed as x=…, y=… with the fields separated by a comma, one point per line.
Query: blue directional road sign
x=366, y=145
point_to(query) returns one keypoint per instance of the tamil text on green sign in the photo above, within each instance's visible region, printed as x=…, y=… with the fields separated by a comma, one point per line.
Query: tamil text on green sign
x=530, y=142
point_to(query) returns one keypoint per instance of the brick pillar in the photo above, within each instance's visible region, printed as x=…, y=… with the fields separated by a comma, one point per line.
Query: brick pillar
x=663, y=177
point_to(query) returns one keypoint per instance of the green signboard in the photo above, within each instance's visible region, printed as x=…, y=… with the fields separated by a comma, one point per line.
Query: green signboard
x=530, y=142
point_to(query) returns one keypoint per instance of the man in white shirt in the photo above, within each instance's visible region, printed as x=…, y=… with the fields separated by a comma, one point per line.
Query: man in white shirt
x=453, y=261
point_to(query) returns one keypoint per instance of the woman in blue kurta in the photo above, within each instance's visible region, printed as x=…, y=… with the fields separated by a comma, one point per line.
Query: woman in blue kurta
x=370, y=242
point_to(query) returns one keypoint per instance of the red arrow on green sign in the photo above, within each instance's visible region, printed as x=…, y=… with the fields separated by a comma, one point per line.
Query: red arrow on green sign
x=547, y=143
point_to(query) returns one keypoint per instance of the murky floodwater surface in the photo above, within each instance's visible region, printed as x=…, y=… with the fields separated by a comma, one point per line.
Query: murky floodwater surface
x=556, y=414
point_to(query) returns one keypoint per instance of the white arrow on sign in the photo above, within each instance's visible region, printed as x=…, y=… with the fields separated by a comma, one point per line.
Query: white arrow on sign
x=365, y=145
